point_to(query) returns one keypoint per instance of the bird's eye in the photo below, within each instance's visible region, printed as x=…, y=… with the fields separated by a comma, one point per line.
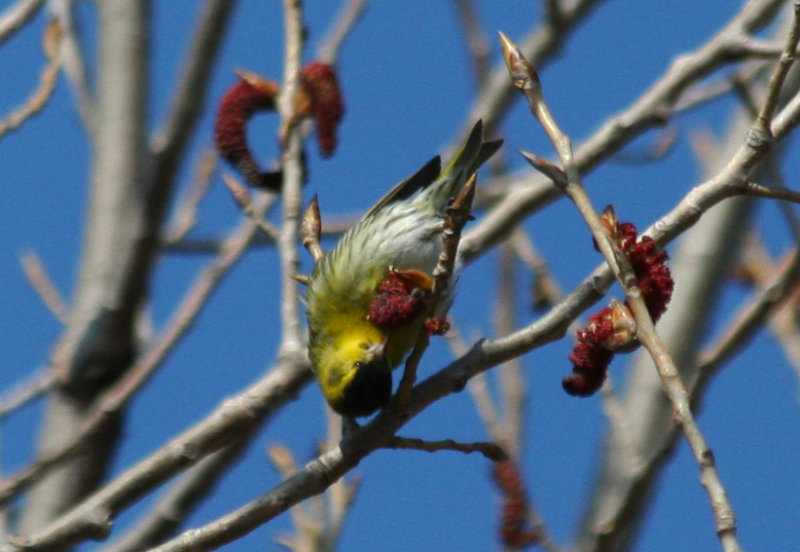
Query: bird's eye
x=358, y=364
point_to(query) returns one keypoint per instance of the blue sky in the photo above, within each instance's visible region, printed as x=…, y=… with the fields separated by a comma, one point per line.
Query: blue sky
x=408, y=89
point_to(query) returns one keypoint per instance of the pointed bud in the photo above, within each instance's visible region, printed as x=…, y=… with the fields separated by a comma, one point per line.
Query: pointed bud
x=622, y=234
x=311, y=229
x=523, y=75
x=301, y=279
x=265, y=87
x=623, y=328
x=609, y=220
x=550, y=170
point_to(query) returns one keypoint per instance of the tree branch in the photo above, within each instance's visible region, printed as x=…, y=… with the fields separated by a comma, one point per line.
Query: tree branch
x=16, y=16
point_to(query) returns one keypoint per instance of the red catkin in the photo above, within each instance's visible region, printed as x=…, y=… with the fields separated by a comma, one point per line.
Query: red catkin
x=394, y=304
x=514, y=530
x=437, y=325
x=319, y=96
x=239, y=103
x=610, y=330
x=320, y=83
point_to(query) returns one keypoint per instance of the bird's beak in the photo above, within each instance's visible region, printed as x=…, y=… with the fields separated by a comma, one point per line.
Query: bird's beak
x=378, y=350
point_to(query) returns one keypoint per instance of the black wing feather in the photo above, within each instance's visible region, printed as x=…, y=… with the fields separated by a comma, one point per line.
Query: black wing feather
x=408, y=187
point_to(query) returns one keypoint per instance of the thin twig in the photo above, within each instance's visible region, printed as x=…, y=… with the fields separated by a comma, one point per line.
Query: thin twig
x=350, y=13
x=74, y=64
x=169, y=143
x=546, y=292
x=43, y=285
x=210, y=245
x=704, y=92
x=478, y=387
x=25, y=391
x=47, y=82
x=241, y=194
x=188, y=99
x=663, y=143
x=764, y=120
x=525, y=79
x=759, y=190
x=753, y=315
x=759, y=267
x=477, y=45
x=185, y=217
x=16, y=16
x=456, y=217
x=491, y=451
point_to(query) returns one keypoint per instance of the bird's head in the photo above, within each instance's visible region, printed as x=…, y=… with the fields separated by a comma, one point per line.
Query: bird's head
x=354, y=374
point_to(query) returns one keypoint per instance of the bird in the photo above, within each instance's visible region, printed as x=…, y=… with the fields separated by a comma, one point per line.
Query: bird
x=365, y=300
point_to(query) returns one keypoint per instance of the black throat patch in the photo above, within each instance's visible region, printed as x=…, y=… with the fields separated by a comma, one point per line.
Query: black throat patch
x=369, y=390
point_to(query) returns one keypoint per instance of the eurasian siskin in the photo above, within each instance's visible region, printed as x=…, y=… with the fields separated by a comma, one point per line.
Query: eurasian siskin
x=395, y=245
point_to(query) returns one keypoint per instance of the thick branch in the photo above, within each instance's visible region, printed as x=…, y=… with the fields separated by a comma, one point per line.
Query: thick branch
x=99, y=342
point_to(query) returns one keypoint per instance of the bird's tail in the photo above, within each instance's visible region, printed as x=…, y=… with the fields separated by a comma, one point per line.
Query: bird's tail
x=439, y=186
x=464, y=164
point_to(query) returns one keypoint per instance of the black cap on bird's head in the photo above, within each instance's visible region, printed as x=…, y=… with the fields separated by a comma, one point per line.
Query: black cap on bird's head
x=369, y=390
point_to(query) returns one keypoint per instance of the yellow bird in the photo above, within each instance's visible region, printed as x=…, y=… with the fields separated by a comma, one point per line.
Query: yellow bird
x=389, y=256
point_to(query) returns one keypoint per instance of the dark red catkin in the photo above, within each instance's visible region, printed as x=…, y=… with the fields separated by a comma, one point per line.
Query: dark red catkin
x=396, y=303
x=514, y=531
x=250, y=95
x=613, y=329
x=319, y=96
x=320, y=84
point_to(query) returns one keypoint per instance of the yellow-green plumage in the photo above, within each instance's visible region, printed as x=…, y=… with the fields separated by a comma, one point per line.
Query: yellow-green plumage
x=351, y=357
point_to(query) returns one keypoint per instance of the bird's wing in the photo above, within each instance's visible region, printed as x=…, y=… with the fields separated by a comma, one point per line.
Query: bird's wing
x=408, y=187
x=472, y=154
